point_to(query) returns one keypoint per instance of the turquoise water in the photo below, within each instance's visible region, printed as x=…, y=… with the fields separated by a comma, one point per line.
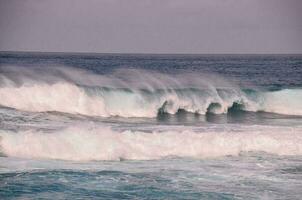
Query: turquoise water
x=107, y=126
x=243, y=177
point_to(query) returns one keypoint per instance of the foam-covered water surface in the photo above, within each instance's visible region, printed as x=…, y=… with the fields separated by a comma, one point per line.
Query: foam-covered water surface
x=249, y=176
x=94, y=126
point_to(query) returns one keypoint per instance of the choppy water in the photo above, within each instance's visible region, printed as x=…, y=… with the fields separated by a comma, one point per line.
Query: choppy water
x=150, y=126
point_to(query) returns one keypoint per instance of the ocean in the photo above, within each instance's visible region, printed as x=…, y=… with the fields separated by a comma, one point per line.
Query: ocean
x=139, y=126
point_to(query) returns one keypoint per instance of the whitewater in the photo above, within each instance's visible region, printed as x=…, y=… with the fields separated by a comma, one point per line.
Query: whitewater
x=102, y=143
x=150, y=126
x=146, y=97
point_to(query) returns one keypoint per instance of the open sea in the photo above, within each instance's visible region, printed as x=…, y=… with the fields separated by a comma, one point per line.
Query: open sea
x=123, y=126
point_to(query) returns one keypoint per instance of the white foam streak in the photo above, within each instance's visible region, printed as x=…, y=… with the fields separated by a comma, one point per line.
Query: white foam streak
x=84, y=144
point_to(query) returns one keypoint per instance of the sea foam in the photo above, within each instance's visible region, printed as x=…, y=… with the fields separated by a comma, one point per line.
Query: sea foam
x=102, y=143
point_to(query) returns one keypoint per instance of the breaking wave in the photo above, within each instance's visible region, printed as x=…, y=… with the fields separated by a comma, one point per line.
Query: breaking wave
x=102, y=143
x=125, y=102
x=136, y=94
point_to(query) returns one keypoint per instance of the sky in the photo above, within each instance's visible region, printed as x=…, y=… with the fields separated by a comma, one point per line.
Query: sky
x=152, y=26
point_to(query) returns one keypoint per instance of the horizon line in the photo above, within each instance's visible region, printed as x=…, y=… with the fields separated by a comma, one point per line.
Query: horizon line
x=145, y=53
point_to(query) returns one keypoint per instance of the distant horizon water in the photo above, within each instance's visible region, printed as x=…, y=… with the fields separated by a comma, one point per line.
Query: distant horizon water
x=146, y=53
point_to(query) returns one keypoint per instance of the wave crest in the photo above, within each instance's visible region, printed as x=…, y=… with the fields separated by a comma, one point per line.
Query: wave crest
x=136, y=94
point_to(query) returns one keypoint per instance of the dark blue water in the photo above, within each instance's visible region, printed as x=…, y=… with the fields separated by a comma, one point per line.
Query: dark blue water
x=262, y=70
x=110, y=126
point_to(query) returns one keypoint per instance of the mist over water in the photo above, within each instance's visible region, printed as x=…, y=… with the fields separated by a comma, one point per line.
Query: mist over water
x=116, y=126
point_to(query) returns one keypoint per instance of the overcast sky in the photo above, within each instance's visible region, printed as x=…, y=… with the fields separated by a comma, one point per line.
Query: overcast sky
x=152, y=26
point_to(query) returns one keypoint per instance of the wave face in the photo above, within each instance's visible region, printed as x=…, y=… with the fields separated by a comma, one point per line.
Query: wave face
x=150, y=94
x=57, y=97
x=102, y=143
x=287, y=101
